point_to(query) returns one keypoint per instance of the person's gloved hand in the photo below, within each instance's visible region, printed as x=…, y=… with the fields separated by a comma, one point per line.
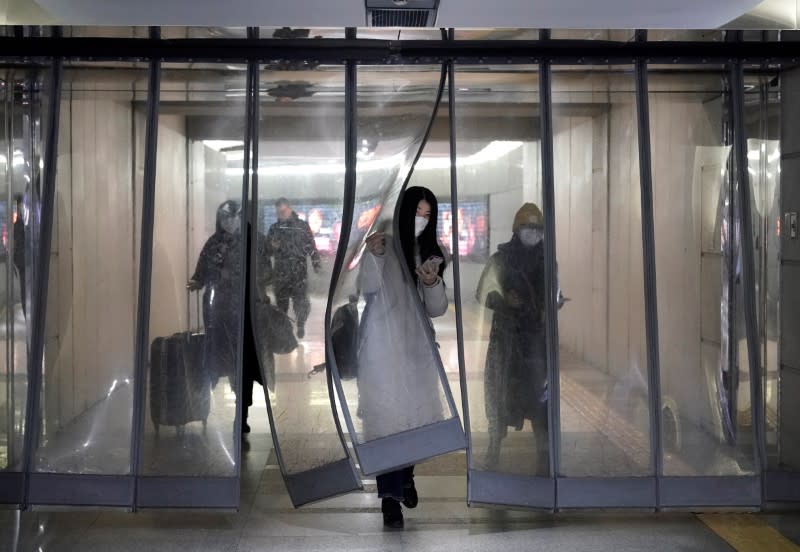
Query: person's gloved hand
x=193, y=285
x=514, y=299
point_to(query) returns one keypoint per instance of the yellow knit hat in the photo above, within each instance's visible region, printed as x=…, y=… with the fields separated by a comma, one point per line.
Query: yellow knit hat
x=529, y=213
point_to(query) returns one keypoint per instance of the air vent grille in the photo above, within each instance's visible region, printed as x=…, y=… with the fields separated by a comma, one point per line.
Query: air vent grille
x=400, y=18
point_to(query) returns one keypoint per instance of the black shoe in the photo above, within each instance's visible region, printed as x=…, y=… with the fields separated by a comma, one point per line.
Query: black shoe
x=392, y=514
x=301, y=332
x=245, y=427
x=410, y=497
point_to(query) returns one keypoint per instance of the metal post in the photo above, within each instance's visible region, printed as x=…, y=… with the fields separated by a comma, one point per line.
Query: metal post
x=10, y=343
x=649, y=266
x=748, y=264
x=551, y=274
x=462, y=369
x=141, y=350
x=250, y=100
x=41, y=276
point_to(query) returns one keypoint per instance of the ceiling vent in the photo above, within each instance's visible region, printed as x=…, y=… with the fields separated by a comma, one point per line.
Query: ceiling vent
x=402, y=13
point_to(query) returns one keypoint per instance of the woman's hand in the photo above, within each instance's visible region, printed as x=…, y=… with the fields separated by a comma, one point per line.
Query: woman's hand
x=428, y=273
x=376, y=244
x=193, y=285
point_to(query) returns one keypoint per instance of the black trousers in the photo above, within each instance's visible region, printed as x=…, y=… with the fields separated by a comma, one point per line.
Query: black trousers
x=391, y=485
x=297, y=292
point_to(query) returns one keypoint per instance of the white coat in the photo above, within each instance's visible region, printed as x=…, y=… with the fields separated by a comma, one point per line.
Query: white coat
x=398, y=364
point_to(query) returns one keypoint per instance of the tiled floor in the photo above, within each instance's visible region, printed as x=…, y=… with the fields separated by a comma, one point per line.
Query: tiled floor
x=353, y=522
x=604, y=432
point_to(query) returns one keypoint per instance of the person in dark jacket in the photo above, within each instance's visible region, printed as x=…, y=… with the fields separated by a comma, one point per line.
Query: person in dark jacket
x=289, y=242
x=512, y=287
x=218, y=273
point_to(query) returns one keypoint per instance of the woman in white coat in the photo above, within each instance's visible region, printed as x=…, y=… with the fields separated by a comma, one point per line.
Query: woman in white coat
x=398, y=375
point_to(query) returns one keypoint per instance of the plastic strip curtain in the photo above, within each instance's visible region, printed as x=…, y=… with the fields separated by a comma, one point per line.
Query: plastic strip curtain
x=388, y=372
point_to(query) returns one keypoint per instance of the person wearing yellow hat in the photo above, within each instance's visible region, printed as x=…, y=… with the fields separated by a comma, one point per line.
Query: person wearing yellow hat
x=512, y=288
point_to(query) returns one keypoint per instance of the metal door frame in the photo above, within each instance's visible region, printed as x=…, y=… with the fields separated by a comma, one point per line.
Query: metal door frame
x=658, y=491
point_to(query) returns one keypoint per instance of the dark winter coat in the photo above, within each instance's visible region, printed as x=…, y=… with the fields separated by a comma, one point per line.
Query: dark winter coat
x=512, y=287
x=288, y=243
x=218, y=270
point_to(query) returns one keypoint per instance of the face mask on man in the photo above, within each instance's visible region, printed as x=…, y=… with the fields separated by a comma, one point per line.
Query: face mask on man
x=230, y=225
x=420, y=223
x=531, y=236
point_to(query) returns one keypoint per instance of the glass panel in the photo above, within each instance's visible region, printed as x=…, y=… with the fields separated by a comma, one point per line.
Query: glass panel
x=203, y=32
x=762, y=104
x=497, y=34
x=387, y=398
x=502, y=276
x=626, y=35
x=605, y=421
x=300, y=32
x=106, y=32
x=24, y=95
x=687, y=36
x=92, y=306
x=195, y=316
x=301, y=158
x=389, y=33
x=698, y=264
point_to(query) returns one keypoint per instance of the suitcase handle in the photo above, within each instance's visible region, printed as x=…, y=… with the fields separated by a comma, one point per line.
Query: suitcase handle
x=199, y=327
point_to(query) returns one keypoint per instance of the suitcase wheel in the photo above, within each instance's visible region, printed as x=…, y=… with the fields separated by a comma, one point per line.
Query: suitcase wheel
x=205, y=425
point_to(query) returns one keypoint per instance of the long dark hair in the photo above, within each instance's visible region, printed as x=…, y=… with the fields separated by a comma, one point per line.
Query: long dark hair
x=427, y=241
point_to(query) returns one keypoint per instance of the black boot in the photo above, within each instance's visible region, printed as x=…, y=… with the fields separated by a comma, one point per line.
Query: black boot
x=245, y=425
x=392, y=514
x=410, y=496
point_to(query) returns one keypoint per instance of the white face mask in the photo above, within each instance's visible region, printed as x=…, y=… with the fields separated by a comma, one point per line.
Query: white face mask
x=230, y=225
x=420, y=223
x=531, y=236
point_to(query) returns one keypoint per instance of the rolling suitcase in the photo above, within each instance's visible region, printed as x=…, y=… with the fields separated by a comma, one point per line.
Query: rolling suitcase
x=180, y=387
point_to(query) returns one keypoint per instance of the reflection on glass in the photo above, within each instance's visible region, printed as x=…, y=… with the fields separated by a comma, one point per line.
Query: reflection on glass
x=605, y=428
x=502, y=270
x=497, y=34
x=625, y=35
x=195, y=307
x=697, y=234
x=295, y=33
x=106, y=32
x=23, y=99
x=686, y=35
x=203, y=32
x=88, y=399
x=301, y=183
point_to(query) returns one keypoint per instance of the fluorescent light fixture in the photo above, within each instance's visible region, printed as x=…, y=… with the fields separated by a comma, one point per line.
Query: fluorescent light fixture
x=219, y=145
x=492, y=152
